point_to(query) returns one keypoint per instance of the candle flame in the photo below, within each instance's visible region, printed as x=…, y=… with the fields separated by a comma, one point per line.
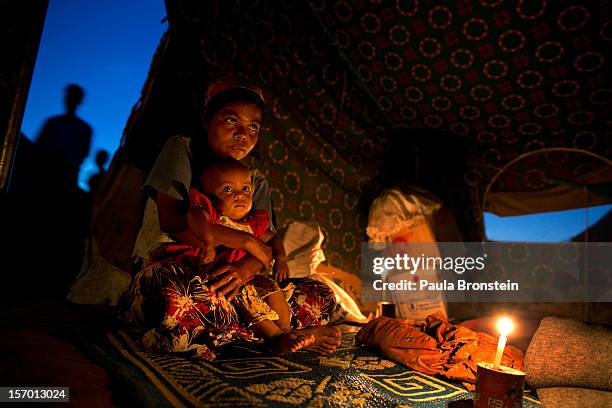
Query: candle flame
x=504, y=326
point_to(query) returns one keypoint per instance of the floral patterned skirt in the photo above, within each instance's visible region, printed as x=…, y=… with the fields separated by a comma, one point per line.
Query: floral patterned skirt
x=169, y=308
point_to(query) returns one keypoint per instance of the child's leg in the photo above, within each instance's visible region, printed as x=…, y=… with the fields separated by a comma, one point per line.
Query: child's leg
x=272, y=328
x=321, y=339
x=280, y=342
x=262, y=317
x=315, y=303
x=279, y=304
x=267, y=329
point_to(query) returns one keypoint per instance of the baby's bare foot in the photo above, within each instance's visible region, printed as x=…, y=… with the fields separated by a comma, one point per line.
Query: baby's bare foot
x=327, y=338
x=289, y=342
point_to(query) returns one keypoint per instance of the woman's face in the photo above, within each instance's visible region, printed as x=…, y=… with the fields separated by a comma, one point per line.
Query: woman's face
x=234, y=129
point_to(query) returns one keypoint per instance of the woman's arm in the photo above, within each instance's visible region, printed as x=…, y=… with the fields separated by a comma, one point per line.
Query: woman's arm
x=172, y=219
x=227, y=281
x=214, y=235
x=194, y=228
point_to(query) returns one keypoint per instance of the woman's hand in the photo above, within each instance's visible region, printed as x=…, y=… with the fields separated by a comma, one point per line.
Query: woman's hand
x=259, y=250
x=227, y=280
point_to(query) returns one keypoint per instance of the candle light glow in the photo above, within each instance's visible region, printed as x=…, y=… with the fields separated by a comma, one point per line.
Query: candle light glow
x=504, y=326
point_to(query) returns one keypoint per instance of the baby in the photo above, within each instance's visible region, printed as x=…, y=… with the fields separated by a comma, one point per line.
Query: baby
x=221, y=214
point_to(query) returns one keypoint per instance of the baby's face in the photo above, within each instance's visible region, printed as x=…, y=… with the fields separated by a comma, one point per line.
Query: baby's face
x=232, y=187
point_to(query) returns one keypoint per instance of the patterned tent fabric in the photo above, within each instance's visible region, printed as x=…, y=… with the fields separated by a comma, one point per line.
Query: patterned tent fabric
x=344, y=78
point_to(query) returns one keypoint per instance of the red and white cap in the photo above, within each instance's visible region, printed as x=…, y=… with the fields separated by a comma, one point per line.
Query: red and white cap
x=222, y=85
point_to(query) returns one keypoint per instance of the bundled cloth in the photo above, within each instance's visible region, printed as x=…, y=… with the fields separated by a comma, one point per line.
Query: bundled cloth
x=437, y=347
x=303, y=244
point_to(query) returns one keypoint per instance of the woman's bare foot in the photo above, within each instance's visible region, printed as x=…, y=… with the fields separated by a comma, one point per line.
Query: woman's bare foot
x=289, y=342
x=327, y=338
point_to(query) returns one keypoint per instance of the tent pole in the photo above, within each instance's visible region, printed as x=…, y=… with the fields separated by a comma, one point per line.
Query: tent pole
x=26, y=20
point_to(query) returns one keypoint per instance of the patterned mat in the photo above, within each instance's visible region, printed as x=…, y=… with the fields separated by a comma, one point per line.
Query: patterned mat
x=243, y=376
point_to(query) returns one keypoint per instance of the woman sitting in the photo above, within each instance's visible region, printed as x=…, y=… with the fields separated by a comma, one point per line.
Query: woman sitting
x=234, y=114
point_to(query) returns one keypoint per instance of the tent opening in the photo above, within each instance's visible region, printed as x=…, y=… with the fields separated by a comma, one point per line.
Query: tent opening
x=556, y=226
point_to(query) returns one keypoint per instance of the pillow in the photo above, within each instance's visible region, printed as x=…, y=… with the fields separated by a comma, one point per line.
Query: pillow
x=570, y=353
x=571, y=397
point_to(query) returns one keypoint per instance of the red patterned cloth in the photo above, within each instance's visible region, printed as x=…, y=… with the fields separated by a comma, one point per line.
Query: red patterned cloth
x=437, y=347
x=312, y=303
x=169, y=308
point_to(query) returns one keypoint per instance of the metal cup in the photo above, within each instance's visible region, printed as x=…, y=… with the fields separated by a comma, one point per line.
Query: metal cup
x=498, y=388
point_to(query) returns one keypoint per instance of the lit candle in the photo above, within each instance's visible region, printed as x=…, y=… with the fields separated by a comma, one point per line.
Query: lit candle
x=504, y=326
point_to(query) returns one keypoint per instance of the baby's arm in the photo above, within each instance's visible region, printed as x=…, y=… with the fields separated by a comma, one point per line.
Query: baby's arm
x=213, y=235
x=281, y=269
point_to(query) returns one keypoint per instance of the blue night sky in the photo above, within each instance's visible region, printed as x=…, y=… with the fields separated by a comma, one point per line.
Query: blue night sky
x=544, y=227
x=104, y=46
x=107, y=47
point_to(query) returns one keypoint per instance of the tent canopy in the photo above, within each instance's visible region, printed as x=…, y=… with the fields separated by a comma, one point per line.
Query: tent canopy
x=450, y=93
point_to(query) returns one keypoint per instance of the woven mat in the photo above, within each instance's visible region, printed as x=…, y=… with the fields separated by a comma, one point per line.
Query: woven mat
x=244, y=376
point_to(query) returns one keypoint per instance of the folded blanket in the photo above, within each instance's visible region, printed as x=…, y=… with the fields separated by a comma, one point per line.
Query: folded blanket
x=437, y=347
x=570, y=353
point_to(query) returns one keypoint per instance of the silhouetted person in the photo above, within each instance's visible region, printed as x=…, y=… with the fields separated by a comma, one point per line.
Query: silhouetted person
x=48, y=170
x=95, y=181
x=66, y=140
